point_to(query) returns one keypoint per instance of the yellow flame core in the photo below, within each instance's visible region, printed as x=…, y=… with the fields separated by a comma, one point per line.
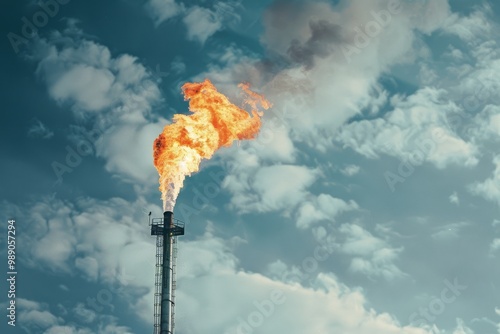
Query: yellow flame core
x=215, y=122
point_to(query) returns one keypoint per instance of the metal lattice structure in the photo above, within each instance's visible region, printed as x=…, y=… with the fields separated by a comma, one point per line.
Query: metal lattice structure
x=166, y=230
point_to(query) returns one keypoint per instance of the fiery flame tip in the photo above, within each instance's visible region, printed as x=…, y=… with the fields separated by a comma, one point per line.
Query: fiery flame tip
x=215, y=122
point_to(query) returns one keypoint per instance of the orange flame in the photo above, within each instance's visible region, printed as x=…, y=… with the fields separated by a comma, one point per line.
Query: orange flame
x=215, y=122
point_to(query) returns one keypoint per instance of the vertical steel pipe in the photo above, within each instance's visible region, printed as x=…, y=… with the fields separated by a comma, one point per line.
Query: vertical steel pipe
x=166, y=293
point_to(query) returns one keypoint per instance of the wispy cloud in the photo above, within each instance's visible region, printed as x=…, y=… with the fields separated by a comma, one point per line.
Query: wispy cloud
x=162, y=10
x=39, y=130
x=449, y=231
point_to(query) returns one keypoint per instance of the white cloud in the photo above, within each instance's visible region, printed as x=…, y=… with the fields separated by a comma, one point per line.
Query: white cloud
x=89, y=79
x=311, y=102
x=54, y=248
x=358, y=241
x=84, y=314
x=129, y=151
x=162, y=10
x=372, y=256
x=67, y=330
x=329, y=307
x=273, y=144
x=322, y=207
x=454, y=199
x=111, y=232
x=470, y=28
x=333, y=93
x=449, y=231
x=485, y=126
x=495, y=245
x=416, y=131
x=350, y=170
x=108, y=326
x=102, y=241
x=201, y=23
x=88, y=86
x=317, y=101
x=88, y=266
x=428, y=16
x=341, y=89
x=178, y=66
x=33, y=315
x=118, y=90
x=264, y=189
x=489, y=188
x=205, y=256
x=462, y=328
x=282, y=186
x=39, y=130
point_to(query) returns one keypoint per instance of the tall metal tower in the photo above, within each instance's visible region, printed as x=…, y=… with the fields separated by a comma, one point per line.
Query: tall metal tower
x=166, y=230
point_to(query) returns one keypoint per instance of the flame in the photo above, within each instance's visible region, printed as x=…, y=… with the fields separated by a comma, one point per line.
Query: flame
x=215, y=122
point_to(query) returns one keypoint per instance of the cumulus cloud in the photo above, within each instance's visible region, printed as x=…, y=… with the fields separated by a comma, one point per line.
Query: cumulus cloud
x=84, y=314
x=415, y=130
x=288, y=184
x=117, y=92
x=315, y=89
x=162, y=10
x=289, y=187
x=471, y=76
x=97, y=239
x=209, y=267
x=322, y=207
x=462, y=328
x=350, y=170
x=318, y=89
x=127, y=143
x=101, y=241
x=87, y=86
x=201, y=23
x=329, y=306
x=487, y=124
x=67, y=330
x=371, y=255
x=89, y=79
x=332, y=308
x=489, y=188
x=35, y=316
x=321, y=90
x=471, y=27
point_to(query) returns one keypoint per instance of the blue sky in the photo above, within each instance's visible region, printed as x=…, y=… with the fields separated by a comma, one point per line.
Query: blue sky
x=368, y=204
